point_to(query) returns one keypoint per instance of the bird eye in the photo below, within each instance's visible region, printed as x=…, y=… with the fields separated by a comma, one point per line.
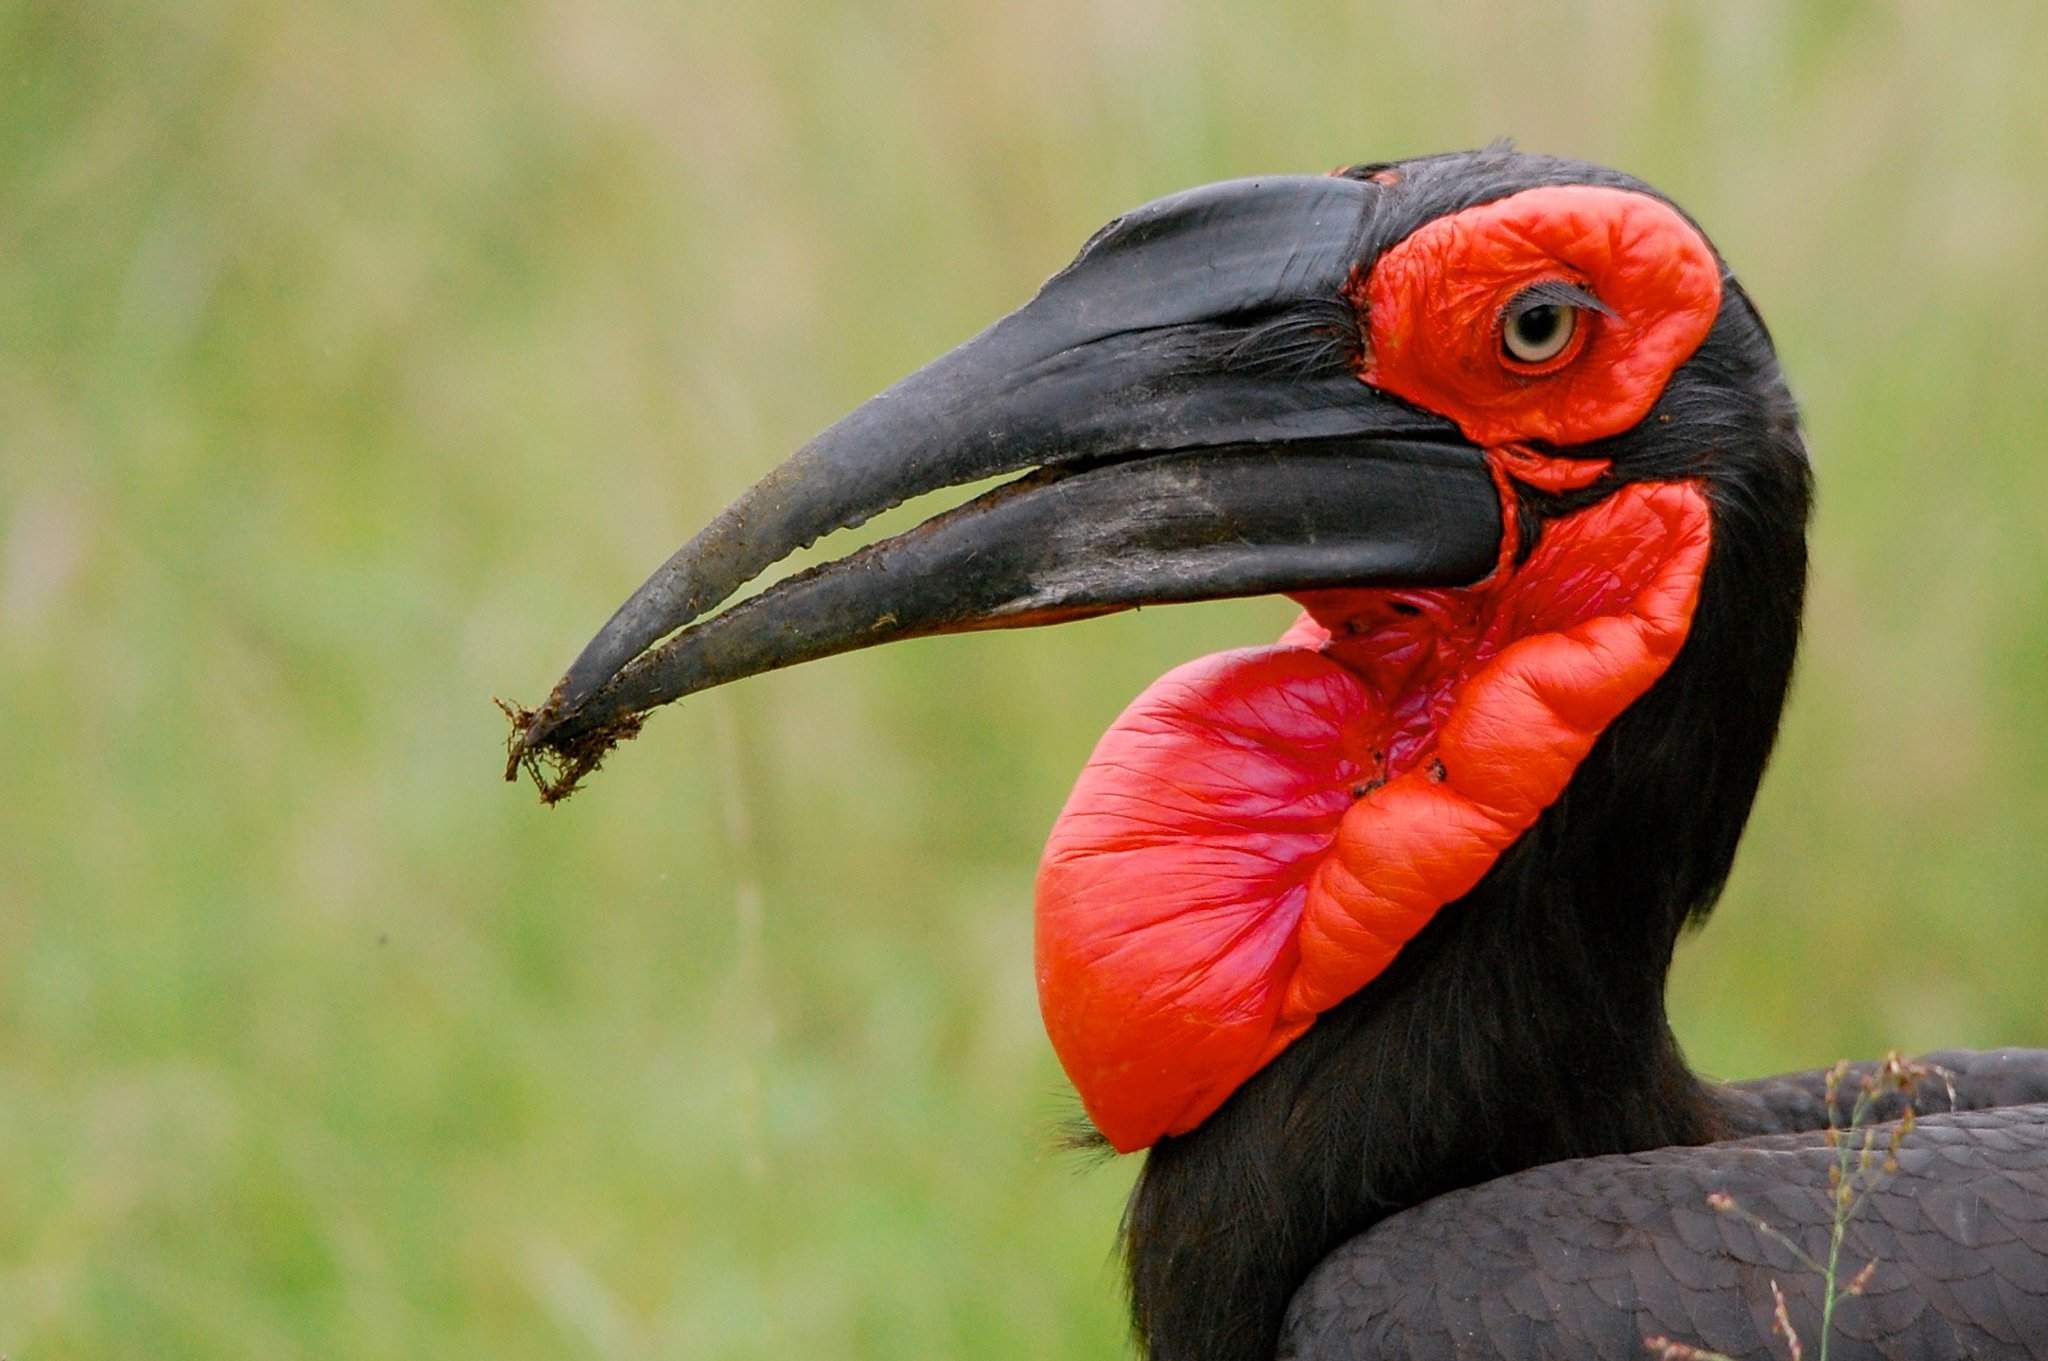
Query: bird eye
x=1536, y=331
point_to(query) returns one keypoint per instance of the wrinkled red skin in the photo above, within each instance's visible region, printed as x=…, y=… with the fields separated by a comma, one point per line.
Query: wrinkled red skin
x=1261, y=832
x=1434, y=302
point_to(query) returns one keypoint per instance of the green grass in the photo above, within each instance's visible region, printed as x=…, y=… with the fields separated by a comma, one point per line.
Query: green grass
x=355, y=359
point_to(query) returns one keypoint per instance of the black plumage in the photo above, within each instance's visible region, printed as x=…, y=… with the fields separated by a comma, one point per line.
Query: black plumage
x=1525, y=1027
x=1588, y=1259
x=1494, y=1148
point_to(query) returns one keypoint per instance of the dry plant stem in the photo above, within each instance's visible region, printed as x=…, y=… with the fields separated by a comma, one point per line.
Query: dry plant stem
x=1781, y=1324
x=1855, y=1172
x=1669, y=1349
x=754, y=1028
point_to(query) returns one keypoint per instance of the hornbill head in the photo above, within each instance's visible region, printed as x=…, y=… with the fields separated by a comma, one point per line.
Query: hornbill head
x=1507, y=429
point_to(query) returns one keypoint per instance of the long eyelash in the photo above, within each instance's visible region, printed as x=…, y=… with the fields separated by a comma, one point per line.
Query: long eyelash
x=1556, y=293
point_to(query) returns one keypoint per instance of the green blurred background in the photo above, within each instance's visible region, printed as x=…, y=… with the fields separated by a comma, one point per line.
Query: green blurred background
x=356, y=358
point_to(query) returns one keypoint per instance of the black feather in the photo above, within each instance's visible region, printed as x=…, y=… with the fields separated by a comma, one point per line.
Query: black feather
x=1585, y=1259
x=1519, y=1043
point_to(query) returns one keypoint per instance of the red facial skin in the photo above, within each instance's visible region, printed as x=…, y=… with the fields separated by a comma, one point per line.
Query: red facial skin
x=1262, y=831
x=1433, y=305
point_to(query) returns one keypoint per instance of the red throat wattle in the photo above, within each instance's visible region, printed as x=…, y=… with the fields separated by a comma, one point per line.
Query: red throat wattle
x=1261, y=831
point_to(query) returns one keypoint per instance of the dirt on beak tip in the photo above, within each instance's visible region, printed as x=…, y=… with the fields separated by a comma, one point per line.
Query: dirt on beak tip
x=558, y=766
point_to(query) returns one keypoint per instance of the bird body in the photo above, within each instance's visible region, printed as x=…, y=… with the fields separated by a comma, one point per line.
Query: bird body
x=1592, y=1257
x=1363, y=934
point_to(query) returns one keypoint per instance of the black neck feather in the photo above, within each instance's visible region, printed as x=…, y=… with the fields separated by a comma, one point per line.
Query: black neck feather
x=1526, y=1023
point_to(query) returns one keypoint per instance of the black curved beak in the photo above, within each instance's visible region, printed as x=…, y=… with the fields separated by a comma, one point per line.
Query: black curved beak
x=1184, y=396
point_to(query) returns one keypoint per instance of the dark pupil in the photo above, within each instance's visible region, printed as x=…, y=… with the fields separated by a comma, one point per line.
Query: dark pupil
x=1537, y=325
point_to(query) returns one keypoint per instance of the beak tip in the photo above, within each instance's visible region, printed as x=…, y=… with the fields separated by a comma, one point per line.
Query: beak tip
x=557, y=763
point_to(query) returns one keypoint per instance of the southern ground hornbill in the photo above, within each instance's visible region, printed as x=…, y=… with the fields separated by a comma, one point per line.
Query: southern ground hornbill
x=1364, y=934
